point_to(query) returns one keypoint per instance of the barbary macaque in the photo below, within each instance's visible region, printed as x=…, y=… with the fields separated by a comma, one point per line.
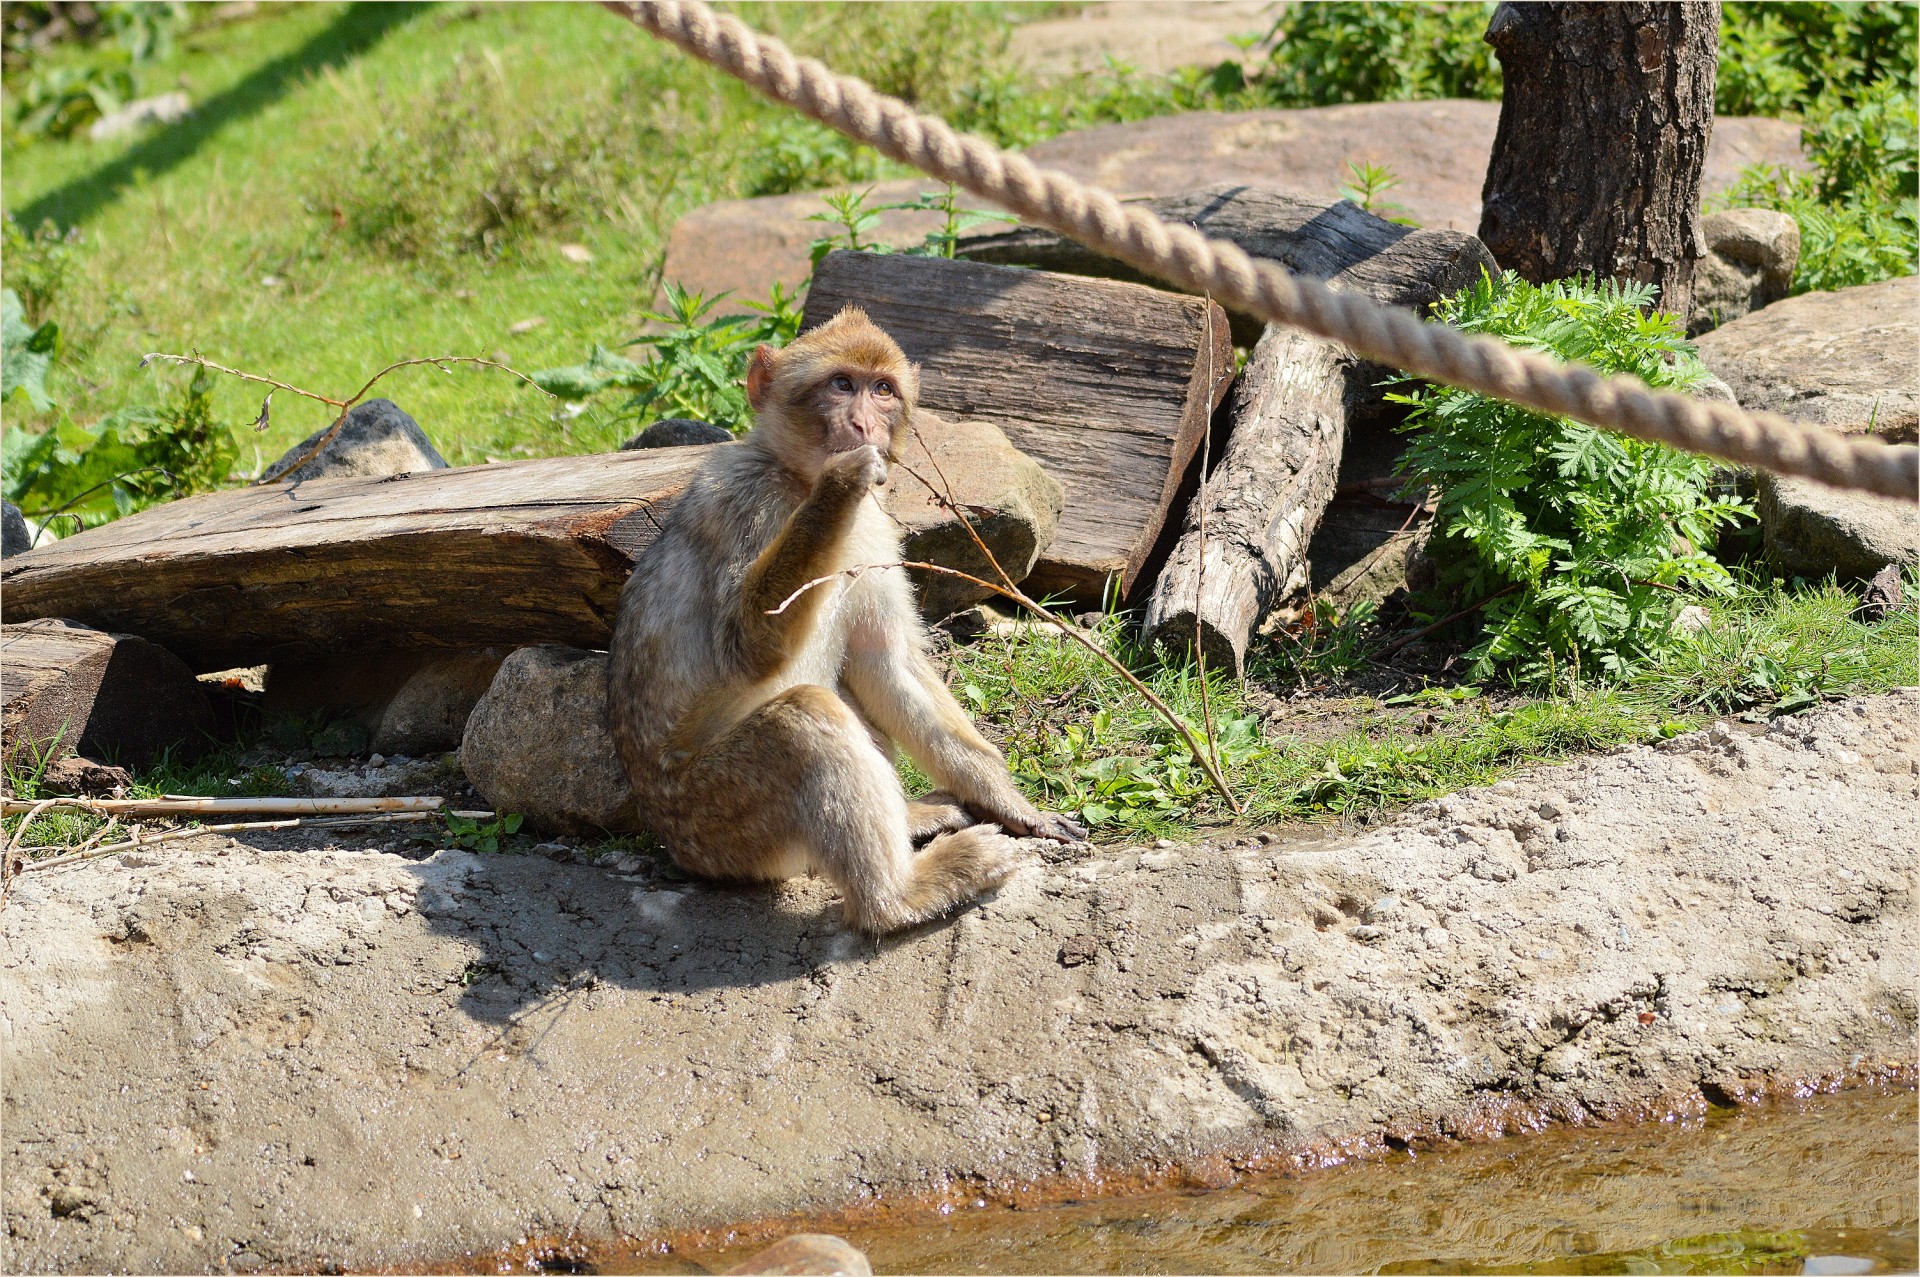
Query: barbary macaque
x=757, y=718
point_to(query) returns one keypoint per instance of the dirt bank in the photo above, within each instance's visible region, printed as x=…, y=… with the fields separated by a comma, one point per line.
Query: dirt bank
x=229, y=1056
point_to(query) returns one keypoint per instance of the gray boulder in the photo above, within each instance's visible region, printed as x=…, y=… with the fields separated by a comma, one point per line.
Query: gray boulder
x=1750, y=259
x=677, y=432
x=429, y=713
x=377, y=440
x=15, y=536
x=1811, y=530
x=1013, y=505
x=1844, y=359
x=537, y=744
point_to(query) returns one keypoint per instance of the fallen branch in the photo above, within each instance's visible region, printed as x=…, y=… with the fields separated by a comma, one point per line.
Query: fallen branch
x=239, y=826
x=190, y=805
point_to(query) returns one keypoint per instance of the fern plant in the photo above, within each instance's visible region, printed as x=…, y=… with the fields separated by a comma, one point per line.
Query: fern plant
x=1575, y=548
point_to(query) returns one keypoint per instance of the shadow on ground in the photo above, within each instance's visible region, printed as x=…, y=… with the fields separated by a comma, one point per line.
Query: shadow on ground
x=354, y=32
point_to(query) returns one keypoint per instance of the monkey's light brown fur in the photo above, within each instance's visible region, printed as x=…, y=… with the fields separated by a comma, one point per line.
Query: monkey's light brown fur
x=761, y=744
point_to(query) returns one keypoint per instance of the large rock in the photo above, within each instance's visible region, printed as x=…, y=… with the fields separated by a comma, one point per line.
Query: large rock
x=226, y=1056
x=1812, y=529
x=807, y=1255
x=1013, y=505
x=677, y=432
x=377, y=440
x=1150, y=36
x=1751, y=256
x=1839, y=359
x=66, y=687
x=537, y=744
x=15, y=536
x=1437, y=149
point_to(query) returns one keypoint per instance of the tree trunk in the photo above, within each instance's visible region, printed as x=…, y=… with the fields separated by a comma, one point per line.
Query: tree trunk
x=1261, y=503
x=1604, y=125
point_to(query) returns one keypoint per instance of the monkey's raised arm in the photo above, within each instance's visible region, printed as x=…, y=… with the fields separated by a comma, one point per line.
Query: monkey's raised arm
x=807, y=548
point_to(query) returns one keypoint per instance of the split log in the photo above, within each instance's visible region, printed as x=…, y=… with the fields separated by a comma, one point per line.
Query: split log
x=1340, y=242
x=495, y=555
x=1107, y=385
x=1262, y=502
x=68, y=688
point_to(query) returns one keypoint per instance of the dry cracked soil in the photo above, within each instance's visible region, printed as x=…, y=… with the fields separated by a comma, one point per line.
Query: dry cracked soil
x=239, y=1056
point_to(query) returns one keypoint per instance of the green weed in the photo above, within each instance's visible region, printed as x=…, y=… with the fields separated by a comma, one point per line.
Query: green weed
x=1576, y=546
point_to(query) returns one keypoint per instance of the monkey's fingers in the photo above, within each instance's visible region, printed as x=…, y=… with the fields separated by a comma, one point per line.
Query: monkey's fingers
x=1058, y=828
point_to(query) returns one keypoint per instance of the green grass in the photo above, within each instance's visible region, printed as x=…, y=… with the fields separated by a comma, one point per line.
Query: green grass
x=252, y=231
x=1081, y=741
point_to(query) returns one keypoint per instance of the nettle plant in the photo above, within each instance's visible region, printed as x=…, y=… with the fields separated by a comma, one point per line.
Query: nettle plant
x=1576, y=547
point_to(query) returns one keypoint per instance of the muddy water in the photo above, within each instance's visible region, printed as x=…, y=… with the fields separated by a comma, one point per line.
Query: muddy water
x=1825, y=1185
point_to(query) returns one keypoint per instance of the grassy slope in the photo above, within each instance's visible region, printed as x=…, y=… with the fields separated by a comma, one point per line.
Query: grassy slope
x=182, y=225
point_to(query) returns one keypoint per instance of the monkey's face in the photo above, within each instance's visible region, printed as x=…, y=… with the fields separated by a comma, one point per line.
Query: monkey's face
x=856, y=408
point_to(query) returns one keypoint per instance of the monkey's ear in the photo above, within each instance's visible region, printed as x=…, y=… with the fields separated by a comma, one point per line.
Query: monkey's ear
x=759, y=377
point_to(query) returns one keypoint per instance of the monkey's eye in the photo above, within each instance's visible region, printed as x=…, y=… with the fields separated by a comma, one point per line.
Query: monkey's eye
x=843, y=383
x=884, y=389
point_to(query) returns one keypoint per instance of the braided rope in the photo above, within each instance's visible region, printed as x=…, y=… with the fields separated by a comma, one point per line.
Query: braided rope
x=1189, y=260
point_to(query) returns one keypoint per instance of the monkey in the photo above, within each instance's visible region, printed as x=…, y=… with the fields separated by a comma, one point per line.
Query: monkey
x=757, y=689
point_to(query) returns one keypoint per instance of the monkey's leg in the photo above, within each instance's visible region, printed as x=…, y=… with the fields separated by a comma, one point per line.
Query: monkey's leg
x=801, y=779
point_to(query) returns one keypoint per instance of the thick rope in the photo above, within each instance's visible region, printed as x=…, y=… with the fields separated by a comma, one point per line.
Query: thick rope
x=1191, y=261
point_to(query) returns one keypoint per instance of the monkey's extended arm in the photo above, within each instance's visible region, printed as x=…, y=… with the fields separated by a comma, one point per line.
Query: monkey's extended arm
x=899, y=691
x=806, y=549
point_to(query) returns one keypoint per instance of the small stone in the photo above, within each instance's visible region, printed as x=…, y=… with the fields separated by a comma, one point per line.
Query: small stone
x=526, y=325
x=677, y=432
x=1881, y=596
x=15, y=536
x=377, y=440
x=164, y=109
x=808, y=1254
x=579, y=254
x=1691, y=619
x=429, y=712
x=1079, y=950
x=83, y=776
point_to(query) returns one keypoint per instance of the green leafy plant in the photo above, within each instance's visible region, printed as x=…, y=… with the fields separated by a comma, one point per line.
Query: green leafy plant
x=129, y=460
x=37, y=264
x=1354, y=52
x=849, y=211
x=696, y=365
x=61, y=101
x=1776, y=59
x=1574, y=548
x=797, y=154
x=472, y=834
x=26, y=353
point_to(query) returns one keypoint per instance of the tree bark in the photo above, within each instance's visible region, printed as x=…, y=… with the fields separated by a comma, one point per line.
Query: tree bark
x=1604, y=125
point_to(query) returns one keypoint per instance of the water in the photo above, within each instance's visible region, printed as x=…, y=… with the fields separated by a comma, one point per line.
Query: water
x=1824, y=1185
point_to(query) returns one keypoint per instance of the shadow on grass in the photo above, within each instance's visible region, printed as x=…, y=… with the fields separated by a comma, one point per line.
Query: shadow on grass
x=360, y=28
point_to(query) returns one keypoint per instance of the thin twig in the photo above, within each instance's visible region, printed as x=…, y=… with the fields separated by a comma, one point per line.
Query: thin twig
x=1071, y=631
x=1419, y=634
x=1007, y=589
x=239, y=826
x=12, y=847
x=327, y=436
x=192, y=805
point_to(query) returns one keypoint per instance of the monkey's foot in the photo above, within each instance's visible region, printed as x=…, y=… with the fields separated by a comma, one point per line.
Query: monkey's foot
x=953, y=869
x=935, y=814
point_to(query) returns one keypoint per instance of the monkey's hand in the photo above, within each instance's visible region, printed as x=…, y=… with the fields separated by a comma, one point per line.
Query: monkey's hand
x=856, y=470
x=1029, y=822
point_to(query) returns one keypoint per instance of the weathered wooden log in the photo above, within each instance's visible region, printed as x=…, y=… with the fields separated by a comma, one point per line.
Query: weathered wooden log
x=66, y=688
x=505, y=554
x=1399, y=265
x=1261, y=503
x=1107, y=385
